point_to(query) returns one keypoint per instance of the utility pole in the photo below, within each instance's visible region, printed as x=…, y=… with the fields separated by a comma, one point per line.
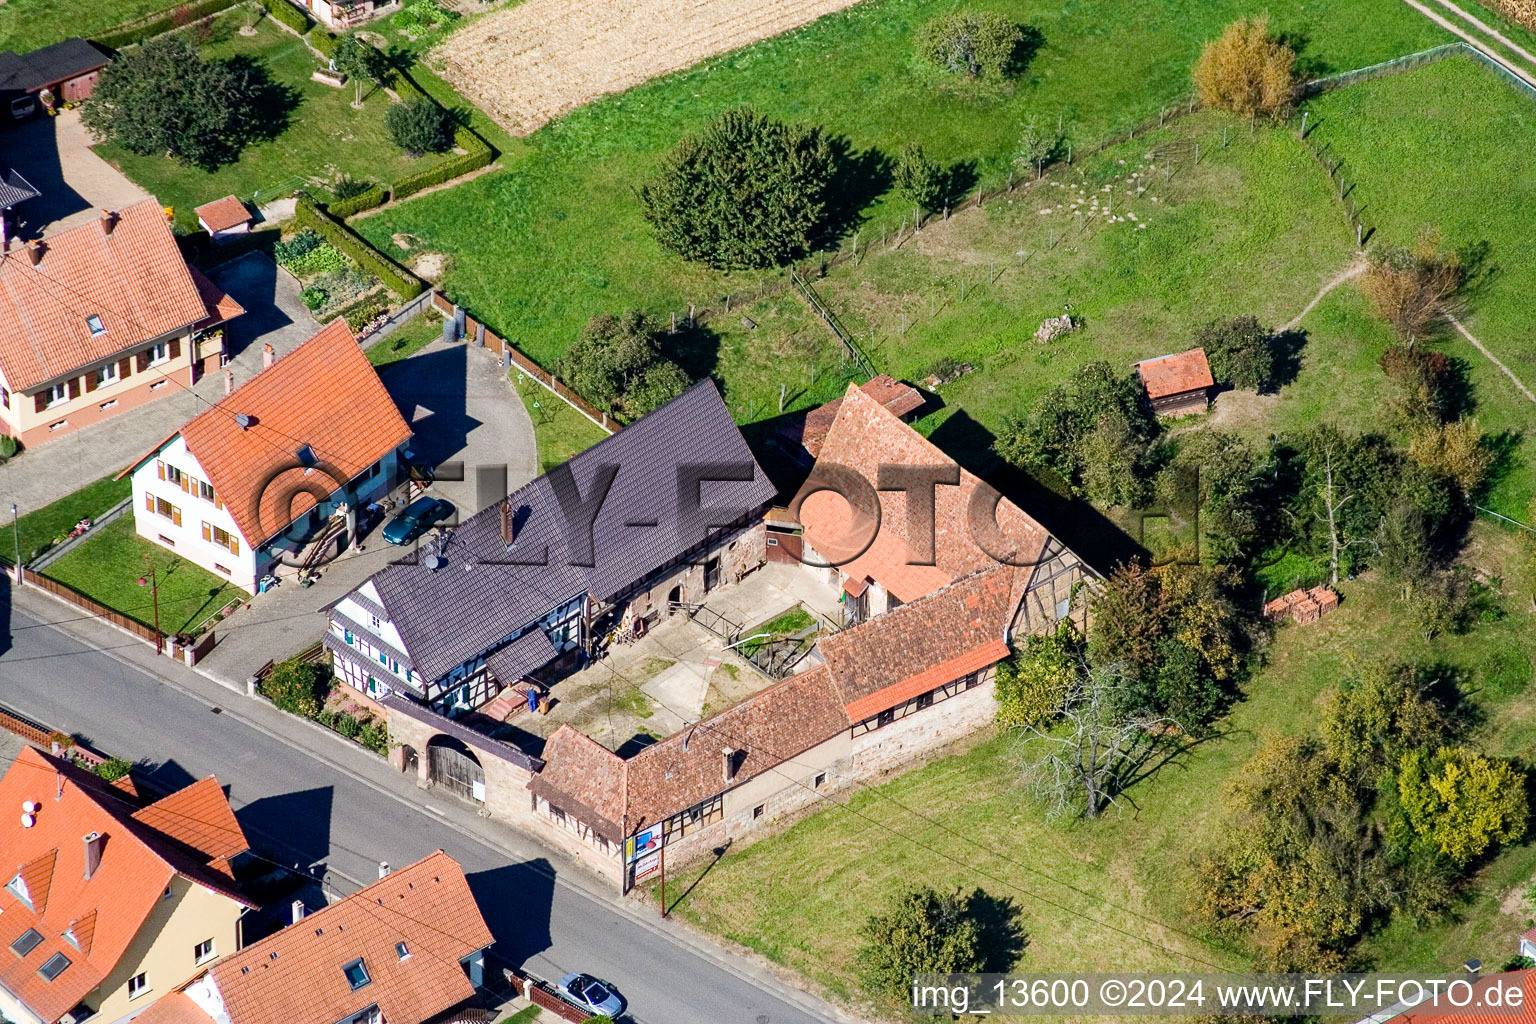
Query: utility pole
x=154, y=593
x=662, y=854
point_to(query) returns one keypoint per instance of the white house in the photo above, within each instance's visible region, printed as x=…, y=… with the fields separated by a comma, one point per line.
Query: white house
x=254, y=478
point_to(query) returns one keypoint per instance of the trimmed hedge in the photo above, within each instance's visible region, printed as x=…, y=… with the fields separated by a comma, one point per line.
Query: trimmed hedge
x=476, y=155
x=321, y=39
x=288, y=14
x=398, y=280
x=341, y=209
x=140, y=29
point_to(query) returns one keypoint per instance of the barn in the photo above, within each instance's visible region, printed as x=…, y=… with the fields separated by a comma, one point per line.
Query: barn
x=1178, y=384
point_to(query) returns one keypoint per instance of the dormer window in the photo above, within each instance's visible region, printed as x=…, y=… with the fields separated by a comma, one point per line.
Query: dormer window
x=357, y=974
x=97, y=327
x=18, y=887
x=71, y=938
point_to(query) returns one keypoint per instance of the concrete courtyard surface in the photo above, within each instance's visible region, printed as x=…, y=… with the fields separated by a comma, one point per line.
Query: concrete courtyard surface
x=54, y=154
x=679, y=672
x=461, y=407
x=273, y=315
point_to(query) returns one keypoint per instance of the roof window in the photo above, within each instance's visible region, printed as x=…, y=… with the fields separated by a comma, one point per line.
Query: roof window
x=26, y=942
x=53, y=966
x=401, y=951
x=357, y=974
x=94, y=323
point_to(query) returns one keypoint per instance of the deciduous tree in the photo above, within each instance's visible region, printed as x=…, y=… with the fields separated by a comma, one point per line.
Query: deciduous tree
x=1247, y=71
x=1240, y=350
x=1462, y=801
x=360, y=61
x=418, y=126
x=979, y=43
x=917, y=179
x=922, y=931
x=1454, y=450
x=746, y=191
x=1411, y=288
x=617, y=365
x=1032, y=686
x=1369, y=723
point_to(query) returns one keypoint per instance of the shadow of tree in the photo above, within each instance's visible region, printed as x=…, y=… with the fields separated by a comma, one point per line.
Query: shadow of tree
x=1000, y=926
x=1286, y=346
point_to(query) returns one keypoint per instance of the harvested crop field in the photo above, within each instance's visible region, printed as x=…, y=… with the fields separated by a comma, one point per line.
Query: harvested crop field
x=533, y=62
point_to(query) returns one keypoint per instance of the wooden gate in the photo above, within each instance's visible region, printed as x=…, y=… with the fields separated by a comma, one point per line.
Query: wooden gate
x=455, y=768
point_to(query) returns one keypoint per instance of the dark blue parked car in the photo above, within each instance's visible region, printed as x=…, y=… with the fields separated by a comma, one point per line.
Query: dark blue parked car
x=417, y=517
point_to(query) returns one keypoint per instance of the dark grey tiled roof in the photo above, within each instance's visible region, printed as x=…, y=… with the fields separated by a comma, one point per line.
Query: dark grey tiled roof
x=475, y=599
x=528, y=652
x=470, y=738
x=339, y=649
x=23, y=72
x=14, y=188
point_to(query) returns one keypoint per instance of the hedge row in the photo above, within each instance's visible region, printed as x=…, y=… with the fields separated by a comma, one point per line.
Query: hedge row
x=321, y=39
x=403, y=284
x=140, y=29
x=341, y=209
x=476, y=155
x=288, y=14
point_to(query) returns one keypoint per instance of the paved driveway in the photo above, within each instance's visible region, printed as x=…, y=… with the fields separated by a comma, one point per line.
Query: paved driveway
x=461, y=407
x=273, y=314
x=54, y=154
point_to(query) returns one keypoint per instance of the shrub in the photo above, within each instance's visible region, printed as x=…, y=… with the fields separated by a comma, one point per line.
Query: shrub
x=617, y=365
x=321, y=39
x=1410, y=288
x=288, y=14
x=981, y=44
x=113, y=768
x=344, y=207
x=1033, y=685
x=348, y=187
x=923, y=931
x=916, y=178
x=418, y=126
x=1239, y=350
x=404, y=285
x=1463, y=802
x=347, y=725
x=745, y=192
x=9, y=446
x=1247, y=71
x=294, y=687
x=374, y=735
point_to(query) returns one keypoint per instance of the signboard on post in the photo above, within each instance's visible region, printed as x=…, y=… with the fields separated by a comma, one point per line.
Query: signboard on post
x=643, y=844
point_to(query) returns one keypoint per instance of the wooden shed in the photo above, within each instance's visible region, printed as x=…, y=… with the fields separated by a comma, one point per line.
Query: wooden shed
x=66, y=70
x=1179, y=384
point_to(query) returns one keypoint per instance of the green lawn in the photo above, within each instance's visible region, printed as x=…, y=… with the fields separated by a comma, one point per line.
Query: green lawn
x=324, y=137
x=558, y=237
x=1448, y=145
x=28, y=24
x=965, y=821
x=558, y=430
x=108, y=566
x=39, y=528
x=407, y=341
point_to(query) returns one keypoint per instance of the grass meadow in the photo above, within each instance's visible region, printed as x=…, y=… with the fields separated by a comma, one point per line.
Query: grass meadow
x=558, y=237
x=29, y=24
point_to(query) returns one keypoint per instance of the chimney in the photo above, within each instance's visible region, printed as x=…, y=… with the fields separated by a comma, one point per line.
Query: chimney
x=296, y=909
x=383, y=868
x=109, y=221
x=229, y=382
x=506, y=522
x=268, y=355
x=727, y=764
x=35, y=252
x=94, y=841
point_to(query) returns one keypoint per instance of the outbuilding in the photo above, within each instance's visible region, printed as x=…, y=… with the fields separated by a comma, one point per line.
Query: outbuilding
x=224, y=219
x=1179, y=384
x=66, y=72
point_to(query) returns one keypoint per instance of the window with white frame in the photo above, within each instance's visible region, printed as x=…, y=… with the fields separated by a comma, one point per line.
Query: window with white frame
x=106, y=374
x=138, y=985
x=94, y=323
x=159, y=353
x=56, y=395
x=203, y=951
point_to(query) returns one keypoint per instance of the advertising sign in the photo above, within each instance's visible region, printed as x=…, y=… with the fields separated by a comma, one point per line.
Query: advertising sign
x=642, y=844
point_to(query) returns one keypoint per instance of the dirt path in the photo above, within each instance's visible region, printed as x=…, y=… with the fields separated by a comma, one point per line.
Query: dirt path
x=1351, y=270
x=1468, y=37
x=1492, y=32
x=1491, y=357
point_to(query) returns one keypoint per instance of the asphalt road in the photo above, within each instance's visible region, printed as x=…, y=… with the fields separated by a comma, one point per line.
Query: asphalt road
x=340, y=811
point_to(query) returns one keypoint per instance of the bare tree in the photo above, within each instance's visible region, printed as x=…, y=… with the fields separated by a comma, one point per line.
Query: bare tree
x=1096, y=750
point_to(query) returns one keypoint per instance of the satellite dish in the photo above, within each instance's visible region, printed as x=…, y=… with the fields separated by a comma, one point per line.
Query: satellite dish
x=27, y=820
x=243, y=420
x=434, y=562
x=30, y=806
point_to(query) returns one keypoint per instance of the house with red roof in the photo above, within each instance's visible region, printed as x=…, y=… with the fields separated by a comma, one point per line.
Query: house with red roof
x=100, y=319
x=109, y=904
x=1179, y=384
x=249, y=483
x=408, y=949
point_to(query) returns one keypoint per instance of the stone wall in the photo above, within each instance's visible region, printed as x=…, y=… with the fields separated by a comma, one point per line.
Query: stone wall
x=739, y=554
x=506, y=784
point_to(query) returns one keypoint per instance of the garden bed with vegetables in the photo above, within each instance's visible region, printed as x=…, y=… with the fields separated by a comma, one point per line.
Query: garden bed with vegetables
x=333, y=285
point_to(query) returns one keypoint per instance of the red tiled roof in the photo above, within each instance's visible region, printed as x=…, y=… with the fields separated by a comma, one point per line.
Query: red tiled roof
x=1441, y=1011
x=581, y=771
x=173, y=1008
x=106, y=911
x=199, y=817
x=865, y=436
x=133, y=278
x=218, y=303
x=295, y=976
x=323, y=394
x=222, y=214
x=1175, y=374
x=899, y=398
